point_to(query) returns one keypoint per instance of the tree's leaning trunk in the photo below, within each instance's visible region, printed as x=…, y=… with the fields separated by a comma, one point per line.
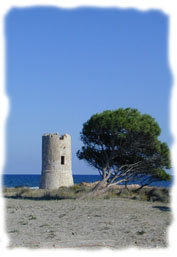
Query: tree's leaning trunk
x=96, y=190
x=139, y=188
x=99, y=184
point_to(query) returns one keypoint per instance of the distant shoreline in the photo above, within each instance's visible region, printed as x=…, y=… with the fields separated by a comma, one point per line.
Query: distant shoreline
x=33, y=180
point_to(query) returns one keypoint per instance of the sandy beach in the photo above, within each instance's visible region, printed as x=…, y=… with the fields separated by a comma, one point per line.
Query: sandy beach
x=115, y=223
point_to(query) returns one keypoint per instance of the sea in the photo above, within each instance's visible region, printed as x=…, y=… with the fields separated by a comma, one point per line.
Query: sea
x=33, y=181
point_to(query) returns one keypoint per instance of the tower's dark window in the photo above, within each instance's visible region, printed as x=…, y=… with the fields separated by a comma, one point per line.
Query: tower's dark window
x=62, y=160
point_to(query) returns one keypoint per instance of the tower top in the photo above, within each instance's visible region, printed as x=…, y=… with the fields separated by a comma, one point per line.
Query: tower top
x=50, y=134
x=62, y=137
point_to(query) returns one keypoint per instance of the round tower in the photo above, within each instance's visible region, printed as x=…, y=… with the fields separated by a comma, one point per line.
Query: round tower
x=56, y=161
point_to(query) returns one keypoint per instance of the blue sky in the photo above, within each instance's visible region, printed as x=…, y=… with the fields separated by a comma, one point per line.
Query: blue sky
x=64, y=65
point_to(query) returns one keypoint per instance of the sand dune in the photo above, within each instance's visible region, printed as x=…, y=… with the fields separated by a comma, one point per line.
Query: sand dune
x=116, y=223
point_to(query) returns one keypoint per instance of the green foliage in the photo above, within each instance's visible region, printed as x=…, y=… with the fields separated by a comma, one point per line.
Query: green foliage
x=115, y=140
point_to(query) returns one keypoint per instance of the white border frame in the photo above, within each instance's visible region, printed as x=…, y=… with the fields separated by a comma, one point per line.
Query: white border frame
x=168, y=8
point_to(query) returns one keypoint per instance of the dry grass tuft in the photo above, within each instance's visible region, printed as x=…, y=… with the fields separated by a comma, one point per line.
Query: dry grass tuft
x=78, y=190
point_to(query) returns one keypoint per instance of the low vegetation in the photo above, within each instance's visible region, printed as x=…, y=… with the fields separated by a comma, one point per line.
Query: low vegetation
x=79, y=190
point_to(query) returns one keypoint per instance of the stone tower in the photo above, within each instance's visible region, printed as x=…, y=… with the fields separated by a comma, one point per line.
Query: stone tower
x=56, y=161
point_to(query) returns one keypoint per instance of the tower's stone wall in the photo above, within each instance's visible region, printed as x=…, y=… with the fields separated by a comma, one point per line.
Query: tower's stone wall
x=56, y=161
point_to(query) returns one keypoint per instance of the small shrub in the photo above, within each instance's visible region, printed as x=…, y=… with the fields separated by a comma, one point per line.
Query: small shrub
x=158, y=194
x=14, y=231
x=143, y=197
x=75, y=187
x=78, y=188
x=16, y=191
x=23, y=223
x=32, y=217
x=142, y=232
x=44, y=225
x=34, y=194
x=111, y=193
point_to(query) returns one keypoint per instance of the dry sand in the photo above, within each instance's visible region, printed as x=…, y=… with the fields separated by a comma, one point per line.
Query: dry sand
x=115, y=223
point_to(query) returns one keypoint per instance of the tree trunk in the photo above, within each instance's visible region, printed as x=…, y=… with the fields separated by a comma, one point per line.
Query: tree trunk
x=139, y=188
x=97, y=189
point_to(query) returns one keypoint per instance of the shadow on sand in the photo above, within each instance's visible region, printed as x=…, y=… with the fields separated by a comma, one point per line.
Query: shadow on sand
x=162, y=208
